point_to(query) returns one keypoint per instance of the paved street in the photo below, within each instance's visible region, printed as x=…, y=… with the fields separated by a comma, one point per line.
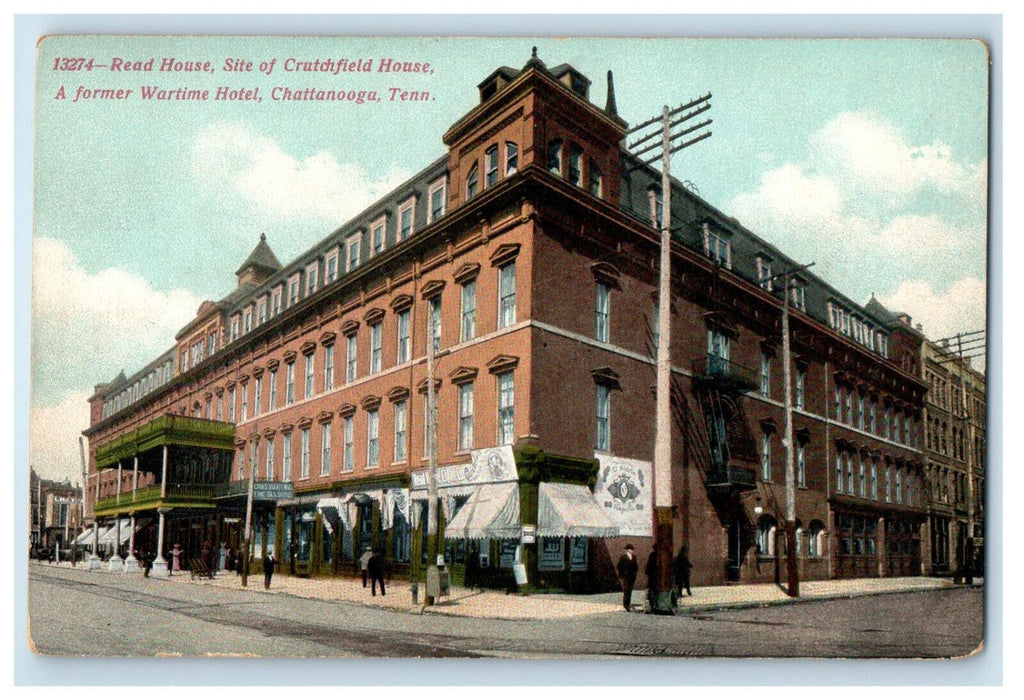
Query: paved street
x=77, y=612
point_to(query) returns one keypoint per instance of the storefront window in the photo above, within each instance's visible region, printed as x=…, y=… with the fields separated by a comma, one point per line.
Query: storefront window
x=401, y=538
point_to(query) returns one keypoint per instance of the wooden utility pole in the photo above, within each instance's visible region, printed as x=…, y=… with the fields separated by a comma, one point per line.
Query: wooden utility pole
x=662, y=482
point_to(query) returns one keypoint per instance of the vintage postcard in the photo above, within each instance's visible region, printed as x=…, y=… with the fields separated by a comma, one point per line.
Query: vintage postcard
x=508, y=347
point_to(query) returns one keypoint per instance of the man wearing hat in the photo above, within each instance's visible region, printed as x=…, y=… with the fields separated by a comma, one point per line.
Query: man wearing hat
x=626, y=569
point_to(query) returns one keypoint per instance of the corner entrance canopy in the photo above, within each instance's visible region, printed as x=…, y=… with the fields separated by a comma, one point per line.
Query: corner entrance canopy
x=569, y=510
x=563, y=510
x=492, y=511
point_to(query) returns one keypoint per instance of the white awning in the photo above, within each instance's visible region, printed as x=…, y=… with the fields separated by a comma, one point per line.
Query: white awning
x=85, y=537
x=491, y=511
x=110, y=536
x=570, y=510
x=331, y=509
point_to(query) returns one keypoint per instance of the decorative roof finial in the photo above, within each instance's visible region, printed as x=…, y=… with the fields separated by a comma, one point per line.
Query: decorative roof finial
x=535, y=62
x=263, y=237
x=534, y=52
x=609, y=105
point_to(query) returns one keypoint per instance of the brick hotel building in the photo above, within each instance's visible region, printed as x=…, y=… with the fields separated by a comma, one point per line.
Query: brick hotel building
x=533, y=243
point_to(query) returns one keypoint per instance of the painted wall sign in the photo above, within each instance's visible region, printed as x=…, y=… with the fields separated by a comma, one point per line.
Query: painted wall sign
x=623, y=490
x=489, y=466
x=578, y=554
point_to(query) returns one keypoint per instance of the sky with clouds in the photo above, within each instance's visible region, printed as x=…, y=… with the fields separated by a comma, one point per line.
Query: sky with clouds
x=866, y=156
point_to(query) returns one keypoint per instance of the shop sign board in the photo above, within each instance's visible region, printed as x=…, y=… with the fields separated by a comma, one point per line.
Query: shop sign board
x=551, y=556
x=529, y=534
x=507, y=553
x=272, y=490
x=578, y=554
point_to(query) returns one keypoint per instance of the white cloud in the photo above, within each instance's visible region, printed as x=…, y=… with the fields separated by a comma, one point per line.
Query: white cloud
x=234, y=160
x=958, y=309
x=872, y=209
x=865, y=153
x=86, y=327
x=54, y=430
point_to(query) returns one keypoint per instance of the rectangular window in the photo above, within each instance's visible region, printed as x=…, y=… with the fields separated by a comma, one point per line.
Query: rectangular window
x=801, y=465
x=278, y=295
x=331, y=267
x=435, y=315
x=257, y=396
x=468, y=327
x=437, y=200
x=655, y=331
x=352, y=252
x=766, y=457
x=862, y=478
x=872, y=418
x=304, y=455
x=717, y=247
x=350, y=358
x=403, y=337
x=234, y=333
x=796, y=295
x=766, y=374
x=349, y=457
x=220, y=407
x=839, y=473
x=293, y=290
x=376, y=334
x=491, y=166
x=231, y=404
x=286, y=458
x=594, y=179
x=328, y=368
x=289, y=384
x=874, y=481
x=405, y=220
x=603, y=439
x=860, y=412
x=849, y=408
x=507, y=295
x=268, y=470
x=849, y=475
x=311, y=278
x=888, y=484
x=325, y=449
x=764, y=273
x=212, y=344
x=377, y=235
x=602, y=302
x=466, y=417
x=372, y=439
x=575, y=165
x=273, y=390
x=801, y=379
x=506, y=408
x=718, y=352
x=248, y=320
x=899, y=486
x=310, y=385
x=400, y=431
x=511, y=158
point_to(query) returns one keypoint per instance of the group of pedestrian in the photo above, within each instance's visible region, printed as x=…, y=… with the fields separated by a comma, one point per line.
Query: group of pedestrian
x=627, y=569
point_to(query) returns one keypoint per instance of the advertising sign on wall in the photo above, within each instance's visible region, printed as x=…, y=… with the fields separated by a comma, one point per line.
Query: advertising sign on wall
x=551, y=555
x=578, y=554
x=623, y=490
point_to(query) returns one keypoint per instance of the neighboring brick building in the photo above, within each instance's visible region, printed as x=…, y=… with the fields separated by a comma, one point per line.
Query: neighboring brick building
x=532, y=242
x=55, y=509
x=954, y=419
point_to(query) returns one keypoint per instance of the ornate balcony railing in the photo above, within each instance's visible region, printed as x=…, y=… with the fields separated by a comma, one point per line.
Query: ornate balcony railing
x=721, y=373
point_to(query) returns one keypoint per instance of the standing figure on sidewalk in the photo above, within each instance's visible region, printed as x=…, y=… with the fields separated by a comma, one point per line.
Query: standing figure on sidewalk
x=269, y=564
x=626, y=570
x=375, y=567
x=364, y=561
x=651, y=571
x=681, y=572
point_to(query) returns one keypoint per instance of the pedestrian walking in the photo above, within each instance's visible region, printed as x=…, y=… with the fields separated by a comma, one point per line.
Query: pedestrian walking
x=224, y=552
x=364, y=561
x=681, y=572
x=147, y=564
x=269, y=564
x=626, y=570
x=375, y=567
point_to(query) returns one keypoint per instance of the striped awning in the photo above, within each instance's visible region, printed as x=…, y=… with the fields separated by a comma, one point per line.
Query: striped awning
x=570, y=510
x=491, y=511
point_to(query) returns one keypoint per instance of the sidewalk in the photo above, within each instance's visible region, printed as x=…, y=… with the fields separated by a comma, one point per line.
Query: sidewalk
x=464, y=602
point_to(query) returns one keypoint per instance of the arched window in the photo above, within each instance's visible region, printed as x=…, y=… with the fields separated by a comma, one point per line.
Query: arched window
x=816, y=539
x=766, y=526
x=473, y=182
x=555, y=157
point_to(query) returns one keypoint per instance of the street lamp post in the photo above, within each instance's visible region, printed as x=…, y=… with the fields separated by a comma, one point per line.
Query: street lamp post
x=432, y=501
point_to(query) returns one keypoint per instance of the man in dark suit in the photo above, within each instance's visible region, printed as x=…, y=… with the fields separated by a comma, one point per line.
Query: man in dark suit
x=375, y=568
x=626, y=570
